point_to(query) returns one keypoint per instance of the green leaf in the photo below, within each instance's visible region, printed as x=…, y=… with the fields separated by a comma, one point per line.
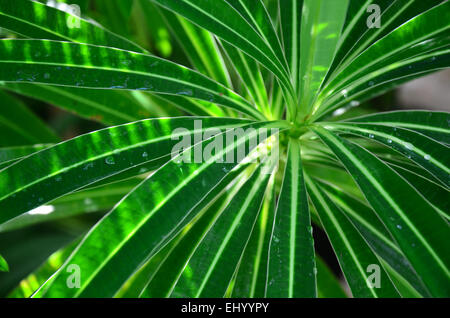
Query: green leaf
x=97, y=199
x=411, y=220
x=3, y=265
x=162, y=281
x=433, y=192
x=431, y=155
x=175, y=189
x=8, y=155
x=199, y=46
x=251, y=277
x=357, y=36
x=291, y=20
x=110, y=107
x=234, y=226
x=250, y=75
x=328, y=285
x=291, y=269
x=223, y=20
x=376, y=235
x=81, y=65
x=19, y=126
x=380, y=80
x=430, y=123
x=415, y=31
x=81, y=161
x=320, y=30
x=36, y=20
x=354, y=254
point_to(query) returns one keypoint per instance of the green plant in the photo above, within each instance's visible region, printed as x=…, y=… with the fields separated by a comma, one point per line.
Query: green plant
x=377, y=184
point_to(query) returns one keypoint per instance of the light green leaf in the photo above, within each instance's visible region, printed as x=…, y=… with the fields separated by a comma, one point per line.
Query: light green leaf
x=3, y=265
x=328, y=285
x=321, y=27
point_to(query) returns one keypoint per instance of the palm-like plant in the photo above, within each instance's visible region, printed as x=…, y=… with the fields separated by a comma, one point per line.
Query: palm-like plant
x=376, y=184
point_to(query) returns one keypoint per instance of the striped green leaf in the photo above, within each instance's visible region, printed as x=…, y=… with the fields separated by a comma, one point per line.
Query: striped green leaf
x=433, y=124
x=251, y=277
x=199, y=46
x=211, y=267
x=8, y=155
x=111, y=107
x=376, y=235
x=431, y=155
x=431, y=23
x=432, y=191
x=358, y=36
x=162, y=281
x=140, y=225
x=223, y=20
x=291, y=269
x=250, y=75
x=291, y=20
x=76, y=163
x=354, y=254
x=81, y=65
x=97, y=199
x=39, y=21
x=412, y=221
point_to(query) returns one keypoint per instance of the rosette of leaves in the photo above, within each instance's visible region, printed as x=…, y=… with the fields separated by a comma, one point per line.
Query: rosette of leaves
x=376, y=183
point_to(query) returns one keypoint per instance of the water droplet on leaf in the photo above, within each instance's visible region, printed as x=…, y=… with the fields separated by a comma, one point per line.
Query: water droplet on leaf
x=110, y=160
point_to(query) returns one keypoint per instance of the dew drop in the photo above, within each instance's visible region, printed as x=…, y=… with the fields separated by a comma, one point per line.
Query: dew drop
x=408, y=146
x=46, y=75
x=389, y=141
x=427, y=157
x=399, y=226
x=187, y=92
x=142, y=170
x=145, y=155
x=345, y=93
x=355, y=103
x=110, y=160
x=371, y=136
